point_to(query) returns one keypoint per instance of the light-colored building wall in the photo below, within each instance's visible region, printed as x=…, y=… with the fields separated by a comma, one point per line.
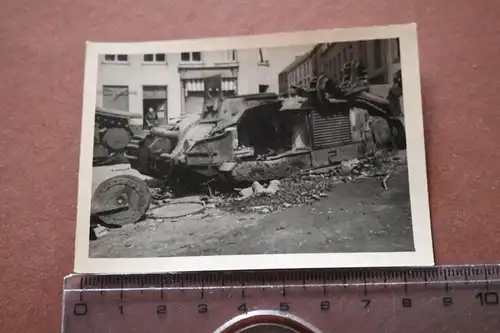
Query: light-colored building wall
x=246, y=69
x=254, y=72
x=135, y=74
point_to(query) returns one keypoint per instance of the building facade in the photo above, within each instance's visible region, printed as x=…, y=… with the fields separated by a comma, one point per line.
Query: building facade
x=380, y=57
x=173, y=83
x=300, y=71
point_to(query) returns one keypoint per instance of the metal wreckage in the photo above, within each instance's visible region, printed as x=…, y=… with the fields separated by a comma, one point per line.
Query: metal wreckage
x=113, y=130
x=256, y=137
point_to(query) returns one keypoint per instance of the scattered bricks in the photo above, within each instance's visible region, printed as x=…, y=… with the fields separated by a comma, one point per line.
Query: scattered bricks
x=258, y=188
x=302, y=189
x=247, y=192
x=348, y=166
x=273, y=187
x=100, y=231
x=275, y=183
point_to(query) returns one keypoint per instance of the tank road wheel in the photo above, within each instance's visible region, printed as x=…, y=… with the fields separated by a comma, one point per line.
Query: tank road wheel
x=116, y=139
x=121, y=200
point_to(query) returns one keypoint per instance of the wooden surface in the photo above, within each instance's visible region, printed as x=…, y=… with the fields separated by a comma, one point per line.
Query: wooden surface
x=41, y=65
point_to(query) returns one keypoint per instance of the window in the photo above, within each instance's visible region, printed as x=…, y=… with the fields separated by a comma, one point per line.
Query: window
x=263, y=88
x=158, y=57
x=115, y=97
x=191, y=56
x=116, y=57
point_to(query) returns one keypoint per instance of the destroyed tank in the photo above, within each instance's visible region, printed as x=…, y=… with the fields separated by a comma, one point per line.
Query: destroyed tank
x=353, y=93
x=113, y=130
x=258, y=137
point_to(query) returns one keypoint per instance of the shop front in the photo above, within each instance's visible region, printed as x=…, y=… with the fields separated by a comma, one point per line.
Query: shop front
x=193, y=87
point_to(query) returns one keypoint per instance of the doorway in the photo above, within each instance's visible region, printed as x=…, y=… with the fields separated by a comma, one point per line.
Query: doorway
x=159, y=106
x=155, y=97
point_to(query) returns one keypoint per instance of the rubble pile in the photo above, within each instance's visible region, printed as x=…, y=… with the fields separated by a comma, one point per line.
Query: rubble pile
x=298, y=189
x=308, y=186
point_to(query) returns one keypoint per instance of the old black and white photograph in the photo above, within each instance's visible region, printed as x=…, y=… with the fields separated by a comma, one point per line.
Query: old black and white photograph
x=254, y=155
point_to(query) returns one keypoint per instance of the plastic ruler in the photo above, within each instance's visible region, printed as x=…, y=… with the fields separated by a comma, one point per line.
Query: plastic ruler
x=438, y=299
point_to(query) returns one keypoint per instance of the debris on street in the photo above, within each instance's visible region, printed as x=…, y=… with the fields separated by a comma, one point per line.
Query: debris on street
x=100, y=231
x=257, y=188
x=309, y=185
x=386, y=178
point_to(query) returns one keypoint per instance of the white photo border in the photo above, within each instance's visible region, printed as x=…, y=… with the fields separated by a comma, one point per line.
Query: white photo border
x=420, y=212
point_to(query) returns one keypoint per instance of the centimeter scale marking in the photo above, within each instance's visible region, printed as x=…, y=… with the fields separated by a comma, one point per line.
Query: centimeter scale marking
x=437, y=299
